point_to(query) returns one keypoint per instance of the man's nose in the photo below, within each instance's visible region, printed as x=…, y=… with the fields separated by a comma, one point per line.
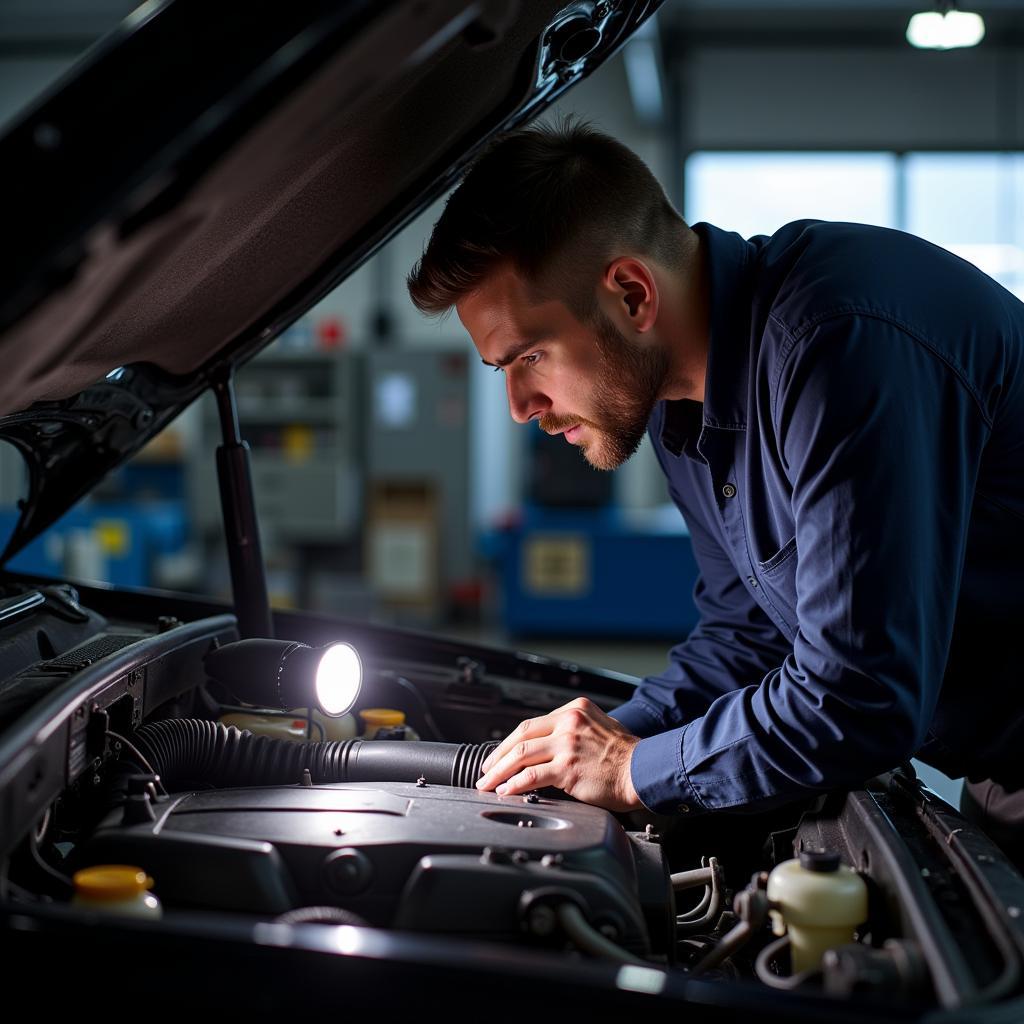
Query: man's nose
x=524, y=402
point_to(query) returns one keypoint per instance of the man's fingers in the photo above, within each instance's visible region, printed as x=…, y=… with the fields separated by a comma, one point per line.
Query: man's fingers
x=576, y=748
x=537, y=776
x=526, y=729
x=524, y=746
x=522, y=754
x=503, y=747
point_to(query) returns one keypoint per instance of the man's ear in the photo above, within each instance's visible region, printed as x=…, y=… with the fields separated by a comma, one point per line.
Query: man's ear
x=629, y=284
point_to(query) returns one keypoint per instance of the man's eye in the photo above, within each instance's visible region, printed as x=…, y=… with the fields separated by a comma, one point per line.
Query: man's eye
x=530, y=360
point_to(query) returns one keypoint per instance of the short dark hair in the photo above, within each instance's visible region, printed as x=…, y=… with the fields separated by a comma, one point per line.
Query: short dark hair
x=556, y=201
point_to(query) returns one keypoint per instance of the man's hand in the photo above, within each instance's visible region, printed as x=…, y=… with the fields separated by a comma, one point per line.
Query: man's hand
x=577, y=748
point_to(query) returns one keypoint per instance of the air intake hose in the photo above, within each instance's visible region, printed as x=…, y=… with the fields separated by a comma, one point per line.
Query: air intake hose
x=188, y=752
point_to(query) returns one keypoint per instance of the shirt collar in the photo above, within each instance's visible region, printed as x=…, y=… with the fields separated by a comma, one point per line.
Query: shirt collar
x=730, y=261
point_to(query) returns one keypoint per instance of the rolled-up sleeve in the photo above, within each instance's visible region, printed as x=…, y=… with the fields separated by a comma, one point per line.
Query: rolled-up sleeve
x=880, y=438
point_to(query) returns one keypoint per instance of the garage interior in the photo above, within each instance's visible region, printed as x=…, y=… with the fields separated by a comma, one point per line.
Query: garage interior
x=390, y=481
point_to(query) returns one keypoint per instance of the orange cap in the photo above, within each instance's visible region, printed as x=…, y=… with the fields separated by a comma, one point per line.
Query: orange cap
x=111, y=882
x=382, y=717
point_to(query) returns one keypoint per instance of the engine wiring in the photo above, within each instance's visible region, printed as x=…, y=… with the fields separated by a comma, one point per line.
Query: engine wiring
x=64, y=881
x=589, y=939
x=765, y=974
x=424, y=707
x=138, y=756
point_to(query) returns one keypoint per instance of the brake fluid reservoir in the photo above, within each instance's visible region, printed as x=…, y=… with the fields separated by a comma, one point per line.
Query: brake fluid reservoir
x=116, y=889
x=819, y=902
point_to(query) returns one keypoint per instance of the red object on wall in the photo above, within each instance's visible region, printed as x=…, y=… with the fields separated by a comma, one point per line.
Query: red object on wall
x=330, y=332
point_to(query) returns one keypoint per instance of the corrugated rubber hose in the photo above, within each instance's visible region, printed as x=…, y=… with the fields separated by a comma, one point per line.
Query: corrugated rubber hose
x=187, y=752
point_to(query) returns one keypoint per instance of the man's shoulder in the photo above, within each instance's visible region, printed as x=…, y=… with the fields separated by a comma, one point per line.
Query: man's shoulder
x=811, y=270
x=829, y=259
x=810, y=233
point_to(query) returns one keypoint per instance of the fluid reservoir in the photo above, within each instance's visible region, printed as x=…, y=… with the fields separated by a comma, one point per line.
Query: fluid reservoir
x=377, y=719
x=116, y=889
x=293, y=727
x=341, y=728
x=819, y=902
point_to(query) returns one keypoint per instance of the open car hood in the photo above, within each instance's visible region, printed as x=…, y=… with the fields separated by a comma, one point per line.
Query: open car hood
x=201, y=179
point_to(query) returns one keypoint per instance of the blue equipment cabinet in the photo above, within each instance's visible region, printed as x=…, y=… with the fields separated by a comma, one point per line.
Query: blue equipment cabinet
x=596, y=571
x=123, y=538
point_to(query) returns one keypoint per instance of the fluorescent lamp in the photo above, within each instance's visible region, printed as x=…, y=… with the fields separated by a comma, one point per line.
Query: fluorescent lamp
x=948, y=30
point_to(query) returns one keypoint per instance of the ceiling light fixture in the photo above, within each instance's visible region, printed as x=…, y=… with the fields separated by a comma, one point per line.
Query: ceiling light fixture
x=945, y=28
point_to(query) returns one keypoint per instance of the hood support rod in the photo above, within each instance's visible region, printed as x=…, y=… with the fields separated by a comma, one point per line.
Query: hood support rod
x=241, y=528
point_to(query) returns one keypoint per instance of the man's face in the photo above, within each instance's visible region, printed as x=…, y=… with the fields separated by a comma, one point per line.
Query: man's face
x=587, y=382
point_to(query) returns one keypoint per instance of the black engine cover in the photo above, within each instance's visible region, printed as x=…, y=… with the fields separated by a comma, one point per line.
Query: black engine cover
x=424, y=858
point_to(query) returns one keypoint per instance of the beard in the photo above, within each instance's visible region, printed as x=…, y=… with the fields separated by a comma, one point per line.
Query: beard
x=628, y=381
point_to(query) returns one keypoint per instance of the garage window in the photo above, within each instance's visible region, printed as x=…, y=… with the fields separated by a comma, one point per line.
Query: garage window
x=969, y=203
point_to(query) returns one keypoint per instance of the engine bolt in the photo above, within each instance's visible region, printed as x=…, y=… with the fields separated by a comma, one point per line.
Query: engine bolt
x=542, y=920
x=347, y=871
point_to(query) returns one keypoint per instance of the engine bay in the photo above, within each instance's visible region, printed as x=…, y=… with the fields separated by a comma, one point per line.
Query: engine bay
x=420, y=858
x=118, y=749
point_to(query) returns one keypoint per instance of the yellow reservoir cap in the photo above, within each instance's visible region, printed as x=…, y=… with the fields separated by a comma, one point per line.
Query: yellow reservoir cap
x=111, y=882
x=382, y=718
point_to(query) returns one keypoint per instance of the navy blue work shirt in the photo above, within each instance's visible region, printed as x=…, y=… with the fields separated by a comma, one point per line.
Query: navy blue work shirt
x=854, y=488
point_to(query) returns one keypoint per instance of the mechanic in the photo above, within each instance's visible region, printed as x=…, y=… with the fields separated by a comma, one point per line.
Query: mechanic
x=839, y=411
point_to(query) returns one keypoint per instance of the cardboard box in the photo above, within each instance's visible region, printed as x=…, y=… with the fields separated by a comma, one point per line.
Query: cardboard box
x=402, y=539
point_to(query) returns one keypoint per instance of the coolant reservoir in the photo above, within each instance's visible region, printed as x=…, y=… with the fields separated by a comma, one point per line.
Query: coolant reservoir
x=819, y=902
x=116, y=889
x=295, y=728
x=343, y=727
x=376, y=719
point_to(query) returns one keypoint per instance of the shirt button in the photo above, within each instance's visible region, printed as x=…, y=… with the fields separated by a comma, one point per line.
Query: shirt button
x=728, y=491
x=752, y=581
x=683, y=808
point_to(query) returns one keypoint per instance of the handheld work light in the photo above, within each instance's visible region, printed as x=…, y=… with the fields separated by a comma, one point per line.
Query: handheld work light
x=283, y=674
